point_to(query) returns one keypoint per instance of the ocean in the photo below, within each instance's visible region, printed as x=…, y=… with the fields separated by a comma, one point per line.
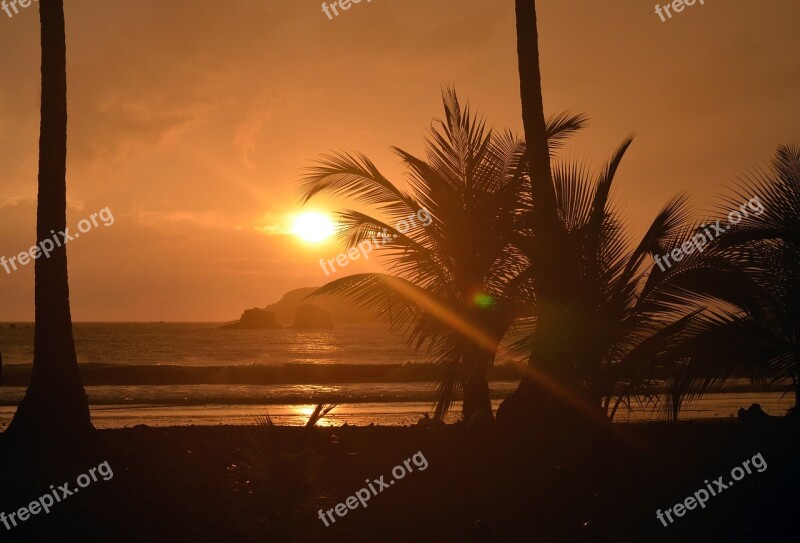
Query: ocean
x=200, y=345
x=205, y=344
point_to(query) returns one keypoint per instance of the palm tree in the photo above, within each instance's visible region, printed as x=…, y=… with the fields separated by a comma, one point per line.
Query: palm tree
x=55, y=404
x=542, y=212
x=450, y=289
x=761, y=338
x=606, y=324
x=603, y=316
x=545, y=234
x=600, y=334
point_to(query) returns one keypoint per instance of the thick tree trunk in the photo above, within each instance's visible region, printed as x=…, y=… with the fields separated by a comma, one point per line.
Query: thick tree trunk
x=55, y=405
x=552, y=407
x=476, y=395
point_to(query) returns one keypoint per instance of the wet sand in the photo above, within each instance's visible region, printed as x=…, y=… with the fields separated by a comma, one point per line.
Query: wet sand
x=183, y=410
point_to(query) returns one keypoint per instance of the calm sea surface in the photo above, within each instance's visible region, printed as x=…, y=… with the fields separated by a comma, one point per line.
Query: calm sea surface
x=203, y=344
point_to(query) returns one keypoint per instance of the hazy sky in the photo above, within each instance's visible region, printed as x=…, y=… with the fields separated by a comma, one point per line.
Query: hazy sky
x=192, y=120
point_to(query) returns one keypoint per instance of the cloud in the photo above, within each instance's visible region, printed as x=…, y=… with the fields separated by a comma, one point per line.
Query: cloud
x=247, y=132
x=193, y=120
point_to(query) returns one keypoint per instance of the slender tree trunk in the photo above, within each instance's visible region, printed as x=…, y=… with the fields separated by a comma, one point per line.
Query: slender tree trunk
x=55, y=405
x=530, y=83
x=549, y=235
x=522, y=404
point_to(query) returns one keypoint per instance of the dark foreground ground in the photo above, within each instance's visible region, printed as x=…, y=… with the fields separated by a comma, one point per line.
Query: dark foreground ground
x=233, y=484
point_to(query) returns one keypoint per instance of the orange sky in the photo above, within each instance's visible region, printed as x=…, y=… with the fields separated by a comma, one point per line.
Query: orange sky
x=192, y=121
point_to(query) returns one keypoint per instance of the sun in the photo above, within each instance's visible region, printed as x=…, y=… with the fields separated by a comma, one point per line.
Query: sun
x=313, y=227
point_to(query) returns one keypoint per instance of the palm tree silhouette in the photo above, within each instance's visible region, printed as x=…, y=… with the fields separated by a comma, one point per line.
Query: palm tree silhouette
x=450, y=287
x=55, y=404
x=603, y=318
x=761, y=338
x=601, y=334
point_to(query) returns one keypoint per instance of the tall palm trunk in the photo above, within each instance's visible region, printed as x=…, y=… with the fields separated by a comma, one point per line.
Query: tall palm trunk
x=530, y=83
x=548, y=236
x=55, y=404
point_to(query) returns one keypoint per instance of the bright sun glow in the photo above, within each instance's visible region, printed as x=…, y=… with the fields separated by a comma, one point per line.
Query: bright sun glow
x=313, y=227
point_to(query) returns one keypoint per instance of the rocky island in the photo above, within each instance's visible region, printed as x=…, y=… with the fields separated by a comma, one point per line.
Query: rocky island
x=254, y=319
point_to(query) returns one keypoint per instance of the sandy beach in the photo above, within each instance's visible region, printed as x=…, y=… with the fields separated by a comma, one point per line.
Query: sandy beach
x=186, y=484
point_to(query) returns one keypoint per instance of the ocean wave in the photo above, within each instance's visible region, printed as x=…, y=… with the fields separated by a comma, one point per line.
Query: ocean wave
x=196, y=395
x=116, y=374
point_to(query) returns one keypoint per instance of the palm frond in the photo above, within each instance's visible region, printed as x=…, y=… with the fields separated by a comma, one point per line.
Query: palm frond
x=563, y=126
